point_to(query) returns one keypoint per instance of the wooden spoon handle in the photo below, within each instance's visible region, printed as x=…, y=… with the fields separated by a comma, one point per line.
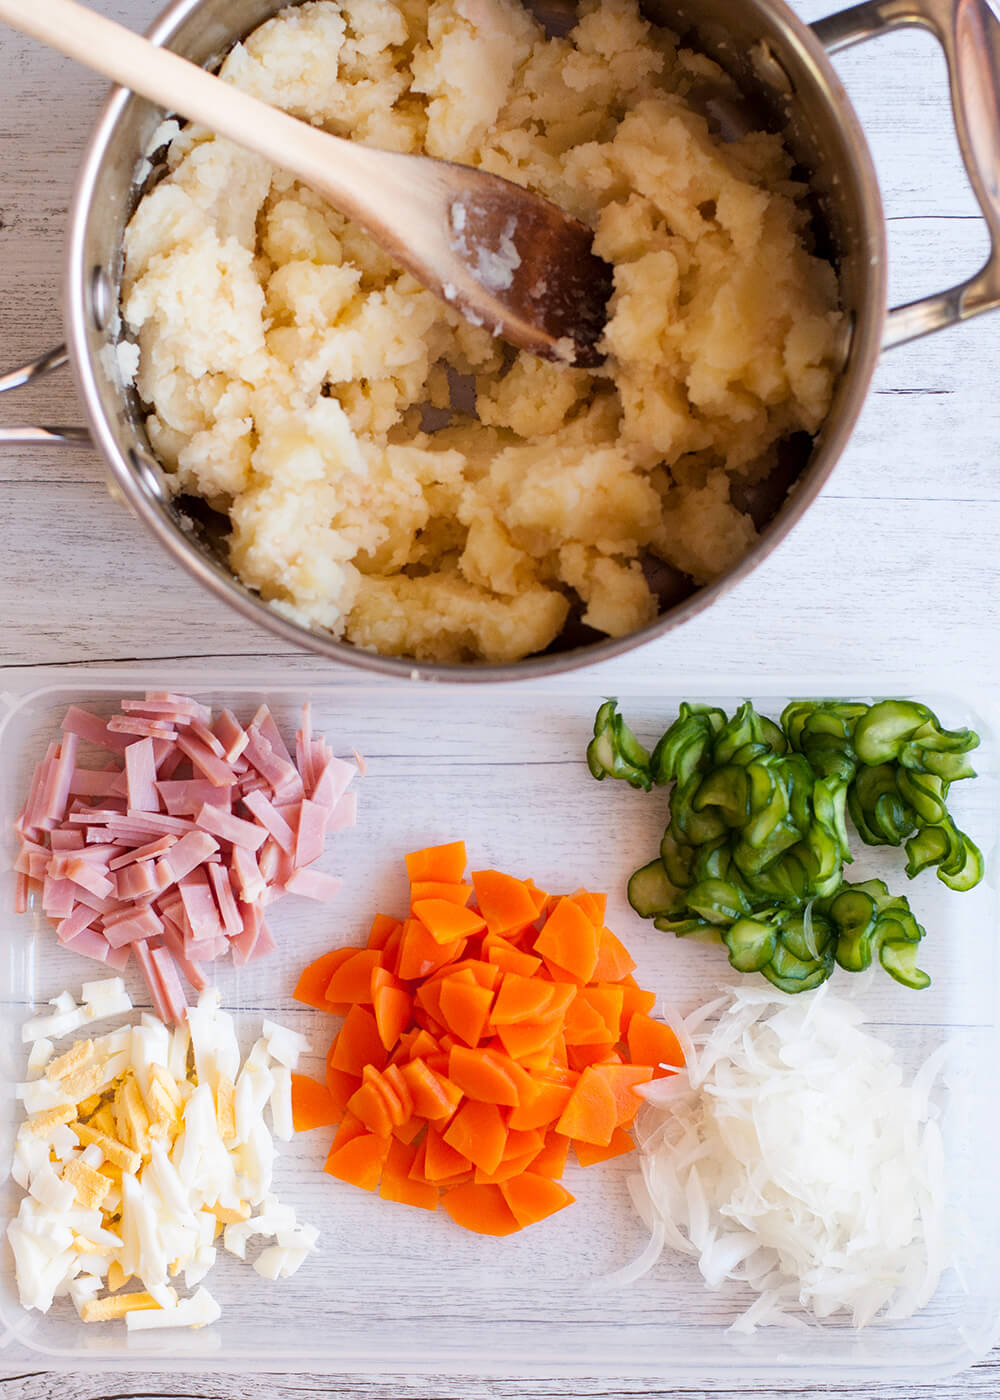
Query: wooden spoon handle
x=341, y=169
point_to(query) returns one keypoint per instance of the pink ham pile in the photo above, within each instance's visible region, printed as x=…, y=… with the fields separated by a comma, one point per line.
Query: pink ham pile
x=175, y=847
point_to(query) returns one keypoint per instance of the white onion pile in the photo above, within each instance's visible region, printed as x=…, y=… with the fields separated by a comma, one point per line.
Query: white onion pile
x=792, y=1155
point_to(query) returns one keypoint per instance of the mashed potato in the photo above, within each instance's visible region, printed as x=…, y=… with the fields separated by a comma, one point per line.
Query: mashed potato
x=293, y=371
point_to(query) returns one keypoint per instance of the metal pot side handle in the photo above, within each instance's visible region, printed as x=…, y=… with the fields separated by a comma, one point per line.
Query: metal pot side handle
x=16, y=379
x=969, y=34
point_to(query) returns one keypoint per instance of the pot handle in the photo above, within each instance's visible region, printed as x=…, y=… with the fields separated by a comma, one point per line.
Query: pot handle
x=16, y=379
x=969, y=34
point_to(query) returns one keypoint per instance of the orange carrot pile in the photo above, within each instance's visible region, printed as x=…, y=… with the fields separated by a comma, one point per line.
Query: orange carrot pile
x=479, y=1043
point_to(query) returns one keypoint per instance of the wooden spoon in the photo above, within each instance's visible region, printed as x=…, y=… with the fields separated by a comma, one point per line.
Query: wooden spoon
x=506, y=258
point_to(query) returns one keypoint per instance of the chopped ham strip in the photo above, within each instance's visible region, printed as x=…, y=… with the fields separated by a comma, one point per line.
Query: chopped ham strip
x=184, y=798
x=345, y=814
x=168, y=765
x=234, y=829
x=59, y=896
x=66, y=839
x=85, y=873
x=94, y=729
x=246, y=872
x=241, y=823
x=170, y=984
x=231, y=735
x=153, y=982
x=268, y=764
x=175, y=711
x=200, y=907
x=263, y=721
x=218, y=878
x=191, y=970
x=269, y=817
x=147, y=852
x=86, y=783
x=91, y=944
x=56, y=793
x=314, y=885
x=191, y=850
x=75, y=923
x=184, y=704
x=140, y=924
x=309, y=836
x=140, y=770
x=333, y=782
x=146, y=728
x=215, y=769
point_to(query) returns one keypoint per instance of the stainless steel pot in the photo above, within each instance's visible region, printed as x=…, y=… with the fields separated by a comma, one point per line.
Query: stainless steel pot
x=784, y=67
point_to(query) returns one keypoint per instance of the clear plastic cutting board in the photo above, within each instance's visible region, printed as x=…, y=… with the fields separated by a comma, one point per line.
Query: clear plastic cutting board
x=400, y=1290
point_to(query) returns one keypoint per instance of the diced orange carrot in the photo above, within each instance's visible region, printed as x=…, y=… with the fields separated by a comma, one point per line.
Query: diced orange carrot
x=480, y=1077
x=445, y=863
x=420, y=953
x=600, y=1021
x=398, y=1114
x=483, y=974
x=394, y=1078
x=521, y=1141
x=500, y=951
x=613, y=961
x=312, y=1104
x=547, y=1106
x=584, y=1023
x=509, y=1167
x=422, y=1044
x=481, y=1209
x=529, y=1038
x=442, y=1161
x=593, y=905
x=478, y=1131
x=591, y=1114
x=653, y=1043
x=383, y=927
x=476, y=1047
x=340, y=1085
x=446, y=921
x=523, y=1081
x=521, y=999
x=358, y=1043
x=539, y=897
x=312, y=984
x=440, y=889
x=622, y=1080
x=551, y=1159
x=580, y=1056
x=351, y=982
x=532, y=1197
x=465, y=1009
x=393, y=1006
x=568, y=942
x=359, y=1161
x=348, y=1128
x=504, y=902
x=635, y=998
x=368, y=1105
x=398, y=1185
x=434, y=1096
x=587, y=1153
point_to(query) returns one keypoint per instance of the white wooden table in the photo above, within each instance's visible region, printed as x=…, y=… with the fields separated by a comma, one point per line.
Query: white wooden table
x=895, y=569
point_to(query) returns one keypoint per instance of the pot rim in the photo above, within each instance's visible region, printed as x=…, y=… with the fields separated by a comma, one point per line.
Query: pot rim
x=864, y=346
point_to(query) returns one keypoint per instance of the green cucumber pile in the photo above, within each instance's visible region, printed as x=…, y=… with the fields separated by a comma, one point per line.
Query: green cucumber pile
x=753, y=855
